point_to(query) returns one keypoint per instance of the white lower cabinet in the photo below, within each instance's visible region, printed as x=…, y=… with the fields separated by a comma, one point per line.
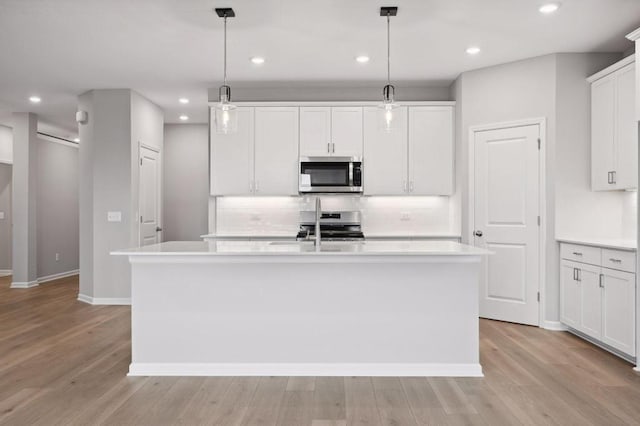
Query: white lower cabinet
x=599, y=301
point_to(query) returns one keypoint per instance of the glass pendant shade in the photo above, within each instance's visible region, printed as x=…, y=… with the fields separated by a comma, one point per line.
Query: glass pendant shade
x=226, y=113
x=388, y=114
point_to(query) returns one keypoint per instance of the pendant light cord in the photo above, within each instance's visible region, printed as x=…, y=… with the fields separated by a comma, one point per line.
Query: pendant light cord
x=225, y=49
x=388, y=48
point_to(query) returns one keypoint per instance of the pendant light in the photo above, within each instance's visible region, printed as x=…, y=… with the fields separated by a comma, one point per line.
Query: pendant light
x=226, y=117
x=387, y=114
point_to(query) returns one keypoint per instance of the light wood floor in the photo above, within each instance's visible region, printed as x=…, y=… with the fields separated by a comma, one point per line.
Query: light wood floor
x=65, y=362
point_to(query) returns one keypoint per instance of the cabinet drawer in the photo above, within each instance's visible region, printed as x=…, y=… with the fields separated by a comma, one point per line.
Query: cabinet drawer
x=584, y=254
x=621, y=260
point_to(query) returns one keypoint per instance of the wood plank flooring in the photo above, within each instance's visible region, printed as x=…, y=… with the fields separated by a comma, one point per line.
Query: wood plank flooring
x=63, y=362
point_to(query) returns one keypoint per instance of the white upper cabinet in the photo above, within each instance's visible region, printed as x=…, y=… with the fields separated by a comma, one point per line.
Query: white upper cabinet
x=315, y=131
x=431, y=150
x=276, y=151
x=327, y=131
x=346, y=131
x=385, y=156
x=232, y=157
x=614, y=129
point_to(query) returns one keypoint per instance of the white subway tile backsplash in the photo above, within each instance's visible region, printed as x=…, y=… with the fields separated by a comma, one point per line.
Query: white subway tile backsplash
x=402, y=216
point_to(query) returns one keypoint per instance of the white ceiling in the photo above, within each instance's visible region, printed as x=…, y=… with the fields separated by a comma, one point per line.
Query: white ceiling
x=166, y=49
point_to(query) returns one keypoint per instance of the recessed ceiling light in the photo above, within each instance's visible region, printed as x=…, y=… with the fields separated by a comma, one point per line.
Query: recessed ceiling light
x=184, y=117
x=35, y=99
x=183, y=100
x=549, y=8
x=363, y=59
x=258, y=60
x=76, y=140
x=473, y=50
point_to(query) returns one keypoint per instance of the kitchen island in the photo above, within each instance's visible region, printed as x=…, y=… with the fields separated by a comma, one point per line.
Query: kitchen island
x=267, y=308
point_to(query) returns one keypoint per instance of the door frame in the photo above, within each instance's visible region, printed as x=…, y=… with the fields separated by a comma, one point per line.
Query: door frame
x=542, y=203
x=141, y=146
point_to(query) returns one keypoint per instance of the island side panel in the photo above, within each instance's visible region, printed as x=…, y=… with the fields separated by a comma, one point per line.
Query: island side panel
x=281, y=318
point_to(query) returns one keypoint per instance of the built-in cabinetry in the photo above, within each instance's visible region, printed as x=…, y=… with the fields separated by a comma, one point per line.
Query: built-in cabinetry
x=614, y=128
x=331, y=131
x=415, y=159
x=598, y=294
x=261, y=158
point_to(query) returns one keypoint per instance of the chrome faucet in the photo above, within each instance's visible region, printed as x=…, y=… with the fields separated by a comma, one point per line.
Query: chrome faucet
x=318, y=216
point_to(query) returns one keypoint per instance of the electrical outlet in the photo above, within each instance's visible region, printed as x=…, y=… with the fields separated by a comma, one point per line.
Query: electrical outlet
x=114, y=216
x=57, y=257
x=405, y=216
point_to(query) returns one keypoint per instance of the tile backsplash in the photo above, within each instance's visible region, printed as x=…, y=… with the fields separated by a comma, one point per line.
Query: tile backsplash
x=395, y=216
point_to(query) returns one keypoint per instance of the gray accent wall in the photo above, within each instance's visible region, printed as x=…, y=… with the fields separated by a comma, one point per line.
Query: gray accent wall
x=57, y=224
x=5, y=224
x=186, y=181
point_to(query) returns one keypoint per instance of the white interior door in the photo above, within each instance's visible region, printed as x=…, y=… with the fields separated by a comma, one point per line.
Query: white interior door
x=149, y=197
x=506, y=209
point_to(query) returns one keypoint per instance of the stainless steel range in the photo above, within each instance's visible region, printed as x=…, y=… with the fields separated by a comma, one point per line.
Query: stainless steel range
x=334, y=226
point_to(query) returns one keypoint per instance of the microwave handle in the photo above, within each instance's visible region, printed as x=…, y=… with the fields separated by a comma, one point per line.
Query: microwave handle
x=350, y=173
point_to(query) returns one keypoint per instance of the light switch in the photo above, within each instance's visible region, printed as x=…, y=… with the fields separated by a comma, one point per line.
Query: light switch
x=1, y=215
x=114, y=216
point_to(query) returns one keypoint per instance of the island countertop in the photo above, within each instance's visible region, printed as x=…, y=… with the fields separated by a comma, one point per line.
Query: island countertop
x=305, y=248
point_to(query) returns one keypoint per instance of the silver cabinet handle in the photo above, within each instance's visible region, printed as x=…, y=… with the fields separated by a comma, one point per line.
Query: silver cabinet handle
x=250, y=186
x=601, y=283
x=577, y=253
x=411, y=186
x=611, y=177
x=333, y=148
x=256, y=186
x=614, y=177
x=578, y=274
x=575, y=274
x=404, y=186
x=615, y=260
x=329, y=147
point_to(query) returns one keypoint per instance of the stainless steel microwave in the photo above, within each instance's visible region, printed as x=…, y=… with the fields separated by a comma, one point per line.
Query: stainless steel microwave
x=330, y=175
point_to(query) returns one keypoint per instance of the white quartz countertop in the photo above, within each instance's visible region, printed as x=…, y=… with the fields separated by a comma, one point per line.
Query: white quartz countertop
x=614, y=243
x=293, y=248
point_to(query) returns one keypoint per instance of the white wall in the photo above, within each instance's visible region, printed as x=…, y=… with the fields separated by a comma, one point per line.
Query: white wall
x=5, y=224
x=579, y=211
x=530, y=89
x=346, y=91
x=57, y=223
x=6, y=145
x=119, y=120
x=186, y=181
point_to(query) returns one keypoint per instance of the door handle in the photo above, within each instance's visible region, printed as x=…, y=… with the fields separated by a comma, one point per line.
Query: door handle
x=158, y=229
x=478, y=233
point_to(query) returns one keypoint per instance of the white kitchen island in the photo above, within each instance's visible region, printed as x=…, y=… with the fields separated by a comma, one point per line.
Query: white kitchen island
x=258, y=308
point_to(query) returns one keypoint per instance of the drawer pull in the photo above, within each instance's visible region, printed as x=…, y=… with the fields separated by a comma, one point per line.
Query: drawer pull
x=601, y=280
x=577, y=253
x=615, y=260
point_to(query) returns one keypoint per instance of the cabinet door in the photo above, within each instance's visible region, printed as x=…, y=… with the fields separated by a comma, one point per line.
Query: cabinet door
x=618, y=306
x=276, y=151
x=346, y=131
x=626, y=147
x=603, y=123
x=431, y=150
x=232, y=157
x=591, y=299
x=385, y=156
x=570, y=305
x=315, y=131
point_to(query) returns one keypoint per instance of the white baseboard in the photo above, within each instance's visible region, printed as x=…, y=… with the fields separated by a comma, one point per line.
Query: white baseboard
x=636, y=368
x=104, y=300
x=24, y=284
x=53, y=277
x=553, y=326
x=294, y=369
x=5, y=272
